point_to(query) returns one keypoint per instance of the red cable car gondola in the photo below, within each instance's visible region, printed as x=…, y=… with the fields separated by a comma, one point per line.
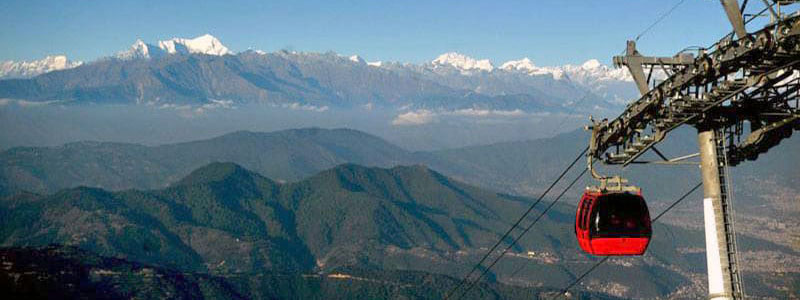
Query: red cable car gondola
x=613, y=223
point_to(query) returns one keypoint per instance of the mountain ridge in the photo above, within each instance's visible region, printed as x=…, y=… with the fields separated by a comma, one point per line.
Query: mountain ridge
x=202, y=70
x=204, y=44
x=291, y=155
x=26, y=69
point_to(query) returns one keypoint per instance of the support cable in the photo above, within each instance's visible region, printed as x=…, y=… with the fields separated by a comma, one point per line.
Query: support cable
x=570, y=111
x=598, y=263
x=661, y=18
x=521, y=218
x=514, y=242
x=522, y=266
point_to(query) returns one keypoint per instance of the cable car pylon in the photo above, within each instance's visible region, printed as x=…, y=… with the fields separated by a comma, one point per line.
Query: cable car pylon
x=742, y=95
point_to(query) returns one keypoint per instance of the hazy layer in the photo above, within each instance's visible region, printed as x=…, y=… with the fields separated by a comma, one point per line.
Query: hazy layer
x=25, y=124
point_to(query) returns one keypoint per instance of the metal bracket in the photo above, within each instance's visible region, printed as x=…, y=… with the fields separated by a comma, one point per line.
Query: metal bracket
x=672, y=161
x=635, y=63
x=615, y=184
x=735, y=17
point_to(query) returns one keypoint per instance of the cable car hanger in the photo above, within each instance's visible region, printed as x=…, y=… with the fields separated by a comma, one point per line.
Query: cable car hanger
x=613, y=184
x=612, y=218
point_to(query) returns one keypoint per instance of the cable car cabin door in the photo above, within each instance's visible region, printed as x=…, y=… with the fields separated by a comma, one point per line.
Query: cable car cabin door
x=582, y=221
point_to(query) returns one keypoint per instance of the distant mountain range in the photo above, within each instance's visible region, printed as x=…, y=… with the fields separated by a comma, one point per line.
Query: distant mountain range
x=26, y=69
x=202, y=70
x=288, y=155
x=522, y=167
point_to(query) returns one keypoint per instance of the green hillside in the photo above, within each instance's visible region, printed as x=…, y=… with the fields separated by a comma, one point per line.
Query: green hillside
x=225, y=220
x=524, y=167
x=282, y=155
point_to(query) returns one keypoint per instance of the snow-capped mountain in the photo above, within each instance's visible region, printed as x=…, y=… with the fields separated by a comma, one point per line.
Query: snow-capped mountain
x=523, y=76
x=462, y=62
x=592, y=72
x=204, y=44
x=357, y=59
x=589, y=73
x=526, y=65
x=140, y=49
x=451, y=80
x=616, y=85
x=26, y=69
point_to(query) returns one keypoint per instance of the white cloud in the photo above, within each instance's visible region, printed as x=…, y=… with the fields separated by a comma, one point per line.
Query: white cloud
x=26, y=103
x=189, y=111
x=417, y=117
x=308, y=107
x=214, y=104
x=424, y=116
x=474, y=112
x=173, y=106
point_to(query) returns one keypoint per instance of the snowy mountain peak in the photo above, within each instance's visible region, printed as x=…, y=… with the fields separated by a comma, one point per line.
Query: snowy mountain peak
x=139, y=49
x=138, y=44
x=592, y=64
x=204, y=44
x=357, y=59
x=463, y=62
x=594, y=71
x=27, y=69
x=524, y=64
x=527, y=66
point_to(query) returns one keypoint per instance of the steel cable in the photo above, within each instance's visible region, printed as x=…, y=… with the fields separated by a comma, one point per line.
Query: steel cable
x=525, y=215
x=661, y=18
x=514, y=242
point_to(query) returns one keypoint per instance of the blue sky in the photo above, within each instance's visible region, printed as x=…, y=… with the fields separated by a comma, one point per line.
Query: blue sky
x=551, y=32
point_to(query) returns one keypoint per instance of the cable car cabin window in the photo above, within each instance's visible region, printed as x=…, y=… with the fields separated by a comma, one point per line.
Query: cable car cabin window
x=619, y=215
x=584, y=210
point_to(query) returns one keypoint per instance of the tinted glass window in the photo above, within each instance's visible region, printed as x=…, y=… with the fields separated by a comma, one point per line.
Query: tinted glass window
x=620, y=215
x=585, y=207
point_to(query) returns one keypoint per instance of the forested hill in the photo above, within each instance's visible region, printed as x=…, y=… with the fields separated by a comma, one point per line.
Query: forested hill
x=522, y=167
x=287, y=155
x=225, y=220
